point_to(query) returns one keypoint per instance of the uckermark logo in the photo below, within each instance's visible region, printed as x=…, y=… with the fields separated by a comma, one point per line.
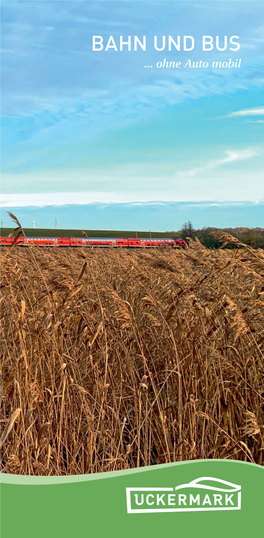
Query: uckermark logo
x=199, y=495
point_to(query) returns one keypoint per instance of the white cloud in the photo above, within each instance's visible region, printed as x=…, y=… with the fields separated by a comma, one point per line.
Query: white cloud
x=257, y=111
x=107, y=199
x=81, y=198
x=255, y=121
x=59, y=199
x=231, y=156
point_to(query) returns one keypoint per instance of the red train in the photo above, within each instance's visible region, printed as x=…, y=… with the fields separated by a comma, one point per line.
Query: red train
x=92, y=242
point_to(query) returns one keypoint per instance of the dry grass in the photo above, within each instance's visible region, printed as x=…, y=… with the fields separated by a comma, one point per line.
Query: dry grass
x=114, y=359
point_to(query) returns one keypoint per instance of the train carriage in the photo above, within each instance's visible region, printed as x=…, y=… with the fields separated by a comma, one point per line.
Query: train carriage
x=93, y=242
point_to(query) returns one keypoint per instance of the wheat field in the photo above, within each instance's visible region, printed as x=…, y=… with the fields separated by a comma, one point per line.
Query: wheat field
x=114, y=359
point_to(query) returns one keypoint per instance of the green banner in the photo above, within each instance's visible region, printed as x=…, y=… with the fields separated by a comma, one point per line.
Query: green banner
x=207, y=498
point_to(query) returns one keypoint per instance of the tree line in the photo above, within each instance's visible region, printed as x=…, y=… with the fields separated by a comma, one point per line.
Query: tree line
x=253, y=237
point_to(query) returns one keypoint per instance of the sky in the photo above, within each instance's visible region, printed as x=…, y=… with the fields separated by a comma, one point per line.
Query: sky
x=102, y=131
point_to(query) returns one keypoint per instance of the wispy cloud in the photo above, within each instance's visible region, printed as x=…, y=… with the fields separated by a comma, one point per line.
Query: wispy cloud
x=257, y=111
x=255, y=121
x=231, y=156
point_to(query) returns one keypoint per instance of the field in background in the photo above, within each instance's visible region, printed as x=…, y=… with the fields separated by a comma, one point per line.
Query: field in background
x=117, y=359
x=38, y=232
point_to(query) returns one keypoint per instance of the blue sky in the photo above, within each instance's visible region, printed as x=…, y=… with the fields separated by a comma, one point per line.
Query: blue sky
x=85, y=127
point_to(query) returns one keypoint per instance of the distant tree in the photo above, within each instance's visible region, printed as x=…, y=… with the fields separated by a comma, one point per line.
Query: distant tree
x=207, y=239
x=187, y=230
x=249, y=236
